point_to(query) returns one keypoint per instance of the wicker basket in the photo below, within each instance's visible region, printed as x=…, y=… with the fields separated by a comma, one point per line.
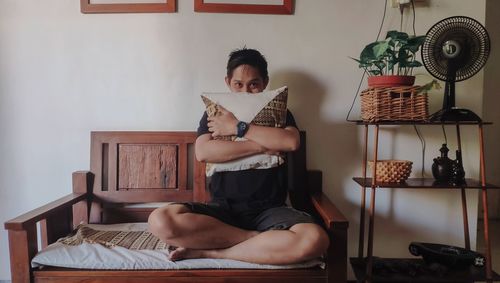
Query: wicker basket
x=392, y=171
x=405, y=103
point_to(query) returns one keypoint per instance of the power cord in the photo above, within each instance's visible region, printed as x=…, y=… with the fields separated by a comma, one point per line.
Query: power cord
x=413, y=9
x=422, y=141
x=444, y=133
x=364, y=73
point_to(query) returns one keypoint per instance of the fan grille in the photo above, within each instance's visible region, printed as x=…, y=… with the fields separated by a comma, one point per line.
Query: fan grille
x=471, y=35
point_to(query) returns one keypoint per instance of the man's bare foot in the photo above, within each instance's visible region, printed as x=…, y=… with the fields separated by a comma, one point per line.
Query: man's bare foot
x=180, y=253
x=184, y=253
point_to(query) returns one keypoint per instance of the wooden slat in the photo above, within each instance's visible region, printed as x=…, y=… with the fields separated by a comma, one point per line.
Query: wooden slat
x=152, y=166
x=114, y=215
x=113, y=167
x=337, y=254
x=56, y=226
x=183, y=166
x=143, y=137
x=187, y=279
x=22, y=248
x=194, y=275
x=96, y=156
x=145, y=195
x=82, y=183
x=200, y=193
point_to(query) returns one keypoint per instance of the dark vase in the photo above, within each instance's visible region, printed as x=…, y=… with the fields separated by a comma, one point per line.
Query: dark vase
x=458, y=170
x=443, y=167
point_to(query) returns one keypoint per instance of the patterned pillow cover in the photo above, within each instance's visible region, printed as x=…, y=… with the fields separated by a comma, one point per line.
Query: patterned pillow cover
x=267, y=108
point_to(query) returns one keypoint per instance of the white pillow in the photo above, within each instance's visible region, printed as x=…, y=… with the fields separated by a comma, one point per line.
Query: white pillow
x=265, y=109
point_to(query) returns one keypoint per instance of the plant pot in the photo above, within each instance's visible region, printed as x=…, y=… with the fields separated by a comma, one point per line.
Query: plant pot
x=390, y=81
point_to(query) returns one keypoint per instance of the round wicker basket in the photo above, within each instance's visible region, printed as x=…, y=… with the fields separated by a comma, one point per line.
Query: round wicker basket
x=392, y=171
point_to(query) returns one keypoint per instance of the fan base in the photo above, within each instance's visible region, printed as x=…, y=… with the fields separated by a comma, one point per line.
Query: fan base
x=455, y=114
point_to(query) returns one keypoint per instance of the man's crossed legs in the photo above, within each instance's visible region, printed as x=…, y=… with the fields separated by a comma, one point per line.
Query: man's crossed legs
x=202, y=236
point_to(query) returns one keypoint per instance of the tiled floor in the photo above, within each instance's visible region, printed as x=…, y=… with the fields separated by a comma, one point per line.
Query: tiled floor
x=494, y=227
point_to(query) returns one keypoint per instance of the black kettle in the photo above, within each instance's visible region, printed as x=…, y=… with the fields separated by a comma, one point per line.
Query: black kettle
x=446, y=170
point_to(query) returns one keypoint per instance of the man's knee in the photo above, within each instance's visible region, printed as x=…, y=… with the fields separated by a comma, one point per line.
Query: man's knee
x=314, y=241
x=162, y=222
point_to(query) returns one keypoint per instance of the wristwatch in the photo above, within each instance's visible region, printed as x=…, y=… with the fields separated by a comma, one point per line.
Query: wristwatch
x=241, y=129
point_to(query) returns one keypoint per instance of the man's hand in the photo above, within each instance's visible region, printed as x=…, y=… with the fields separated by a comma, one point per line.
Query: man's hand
x=223, y=124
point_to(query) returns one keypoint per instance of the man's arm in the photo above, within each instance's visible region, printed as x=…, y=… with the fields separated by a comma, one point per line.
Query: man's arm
x=273, y=139
x=210, y=150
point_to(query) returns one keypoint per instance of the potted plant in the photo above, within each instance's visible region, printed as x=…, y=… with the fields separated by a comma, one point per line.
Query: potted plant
x=390, y=62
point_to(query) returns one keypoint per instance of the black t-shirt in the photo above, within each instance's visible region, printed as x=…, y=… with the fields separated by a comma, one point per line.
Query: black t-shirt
x=249, y=189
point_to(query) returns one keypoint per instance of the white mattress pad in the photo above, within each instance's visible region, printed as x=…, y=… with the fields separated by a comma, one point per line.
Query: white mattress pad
x=97, y=256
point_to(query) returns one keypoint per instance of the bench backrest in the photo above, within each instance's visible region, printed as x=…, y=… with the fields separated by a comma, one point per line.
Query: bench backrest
x=151, y=167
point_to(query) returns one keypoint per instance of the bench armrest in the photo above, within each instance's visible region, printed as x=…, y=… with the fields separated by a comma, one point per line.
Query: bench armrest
x=29, y=218
x=336, y=224
x=331, y=215
x=56, y=219
x=22, y=231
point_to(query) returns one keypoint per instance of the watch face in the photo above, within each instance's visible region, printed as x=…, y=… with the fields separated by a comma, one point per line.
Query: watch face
x=242, y=128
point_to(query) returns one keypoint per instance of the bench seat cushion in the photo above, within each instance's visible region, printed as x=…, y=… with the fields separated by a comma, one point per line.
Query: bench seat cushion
x=97, y=256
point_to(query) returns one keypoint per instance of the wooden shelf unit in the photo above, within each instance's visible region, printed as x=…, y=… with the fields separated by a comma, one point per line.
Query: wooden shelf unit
x=367, y=264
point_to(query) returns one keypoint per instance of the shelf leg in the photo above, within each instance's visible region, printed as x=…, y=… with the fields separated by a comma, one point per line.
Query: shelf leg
x=466, y=219
x=489, y=273
x=363, y=200
x=464, y=200
x=369, y=265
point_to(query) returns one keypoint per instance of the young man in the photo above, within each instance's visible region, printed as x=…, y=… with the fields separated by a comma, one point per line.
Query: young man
x=247, y=218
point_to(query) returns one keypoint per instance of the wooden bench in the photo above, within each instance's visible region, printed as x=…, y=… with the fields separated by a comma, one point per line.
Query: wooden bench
x=143, y=167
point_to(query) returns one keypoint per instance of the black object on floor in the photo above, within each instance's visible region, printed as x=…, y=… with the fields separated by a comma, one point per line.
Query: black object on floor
x=449, y=256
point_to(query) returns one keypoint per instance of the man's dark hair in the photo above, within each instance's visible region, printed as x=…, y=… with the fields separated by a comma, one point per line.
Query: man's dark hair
x=250, y=57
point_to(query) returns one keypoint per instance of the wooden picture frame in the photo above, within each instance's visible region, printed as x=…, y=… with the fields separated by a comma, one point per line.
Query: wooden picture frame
x=169, y=6
x=205, y=6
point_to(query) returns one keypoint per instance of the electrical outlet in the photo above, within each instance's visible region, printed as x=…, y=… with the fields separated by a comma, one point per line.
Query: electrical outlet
x=395, y=3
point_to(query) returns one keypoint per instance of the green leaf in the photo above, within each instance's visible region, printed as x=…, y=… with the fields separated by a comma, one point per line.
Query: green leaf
x=391, y=34
x=357, y=60
x=403, y=56
x=367, y=54
x=397, y=35
x=428, y=86
x=414, y=43
x=414, y=64
x=402, y=36
x=380, y=49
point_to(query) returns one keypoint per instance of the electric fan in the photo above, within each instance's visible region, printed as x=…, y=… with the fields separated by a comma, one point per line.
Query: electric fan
x=454, y=50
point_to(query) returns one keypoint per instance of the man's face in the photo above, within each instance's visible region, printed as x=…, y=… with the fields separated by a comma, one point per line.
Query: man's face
x=246, y=78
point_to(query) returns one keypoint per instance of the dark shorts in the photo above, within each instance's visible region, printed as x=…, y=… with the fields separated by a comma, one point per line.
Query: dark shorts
x=275, y=218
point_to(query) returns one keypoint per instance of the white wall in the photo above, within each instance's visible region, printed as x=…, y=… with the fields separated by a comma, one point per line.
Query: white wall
x=63, y=74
